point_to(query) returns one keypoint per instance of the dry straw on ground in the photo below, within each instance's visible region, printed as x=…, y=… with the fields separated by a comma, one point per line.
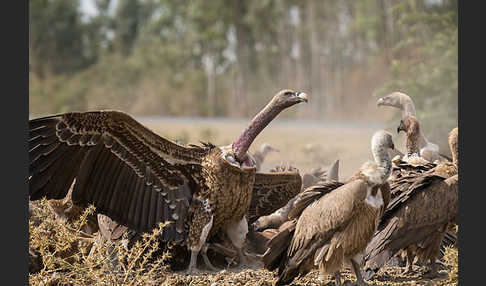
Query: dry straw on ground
x=67, y=256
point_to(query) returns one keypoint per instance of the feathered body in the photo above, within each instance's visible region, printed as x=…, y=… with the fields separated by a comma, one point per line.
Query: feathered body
x=417, y=217
x=334, y=229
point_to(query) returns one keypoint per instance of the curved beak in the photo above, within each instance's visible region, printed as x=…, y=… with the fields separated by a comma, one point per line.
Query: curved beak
x=380, y=101
x=401, y=127
x=302, y=95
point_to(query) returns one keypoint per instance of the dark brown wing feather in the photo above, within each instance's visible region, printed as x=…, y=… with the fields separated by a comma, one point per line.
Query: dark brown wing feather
x=310, y=195
x=272, y=191
x=431, y=202
x=128, y=172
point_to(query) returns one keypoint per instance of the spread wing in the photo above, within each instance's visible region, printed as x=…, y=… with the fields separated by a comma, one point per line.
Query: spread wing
x=125, y=170
x=272, y=191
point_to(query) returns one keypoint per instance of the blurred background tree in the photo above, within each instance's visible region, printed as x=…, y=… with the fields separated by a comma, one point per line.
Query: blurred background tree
x=226, y=58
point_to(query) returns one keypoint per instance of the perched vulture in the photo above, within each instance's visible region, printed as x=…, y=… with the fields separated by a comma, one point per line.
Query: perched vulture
x=418, y=215
x=140, y=179
x=333, y=230
x=278, y=217
x=428, y=150
x=260, y=155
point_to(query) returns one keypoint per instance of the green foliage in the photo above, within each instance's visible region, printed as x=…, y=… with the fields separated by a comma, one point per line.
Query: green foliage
x=220, y=58
x=426, y=67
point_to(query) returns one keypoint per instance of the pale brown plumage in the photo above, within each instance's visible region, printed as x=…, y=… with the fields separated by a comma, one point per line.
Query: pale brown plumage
x=418, y=215
x=334, y=229
x=139, y=179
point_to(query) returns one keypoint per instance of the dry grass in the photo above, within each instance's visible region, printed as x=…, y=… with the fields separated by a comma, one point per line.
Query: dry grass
x=67, y=256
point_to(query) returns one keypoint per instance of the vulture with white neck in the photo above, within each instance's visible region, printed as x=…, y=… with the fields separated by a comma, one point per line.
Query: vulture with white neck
x=140, y=179
x=418, y=216
x=428, y=150
x=333, y=230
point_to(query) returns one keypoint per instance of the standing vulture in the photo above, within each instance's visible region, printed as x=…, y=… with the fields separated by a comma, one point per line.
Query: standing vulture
x=336, y=228
x=140, y=179
x=260, y=155
x=418, y=216
x=428, y=150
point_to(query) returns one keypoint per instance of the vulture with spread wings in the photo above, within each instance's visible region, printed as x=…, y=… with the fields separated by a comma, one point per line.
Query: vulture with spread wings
x=140, y=179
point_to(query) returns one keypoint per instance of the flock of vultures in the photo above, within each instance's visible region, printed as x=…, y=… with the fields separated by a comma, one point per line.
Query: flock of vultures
x=217, y=205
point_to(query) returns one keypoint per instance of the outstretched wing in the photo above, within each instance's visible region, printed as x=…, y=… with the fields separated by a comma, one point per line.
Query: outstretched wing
x=272, y=191
x=128, y=172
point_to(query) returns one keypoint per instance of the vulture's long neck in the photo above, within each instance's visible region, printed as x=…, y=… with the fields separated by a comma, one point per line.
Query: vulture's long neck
x=382, y=159
x=408, y=108
x=258, y=123
x=412, y=143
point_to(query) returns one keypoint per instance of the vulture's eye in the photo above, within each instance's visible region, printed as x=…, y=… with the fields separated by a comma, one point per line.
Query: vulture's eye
x=289, y=93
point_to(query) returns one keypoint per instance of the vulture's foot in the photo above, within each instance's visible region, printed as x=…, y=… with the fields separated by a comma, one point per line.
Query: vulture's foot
x=408, y=269
x=357, y=272
x=432, y=272
x=206, y=259
x=192, y=269
x=243, y=261
x=337, y=278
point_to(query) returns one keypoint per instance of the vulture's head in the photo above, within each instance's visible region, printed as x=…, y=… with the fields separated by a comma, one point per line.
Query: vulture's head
x=382, y=139
x=395, y=99
x=287, y=97
x=282, y=100
x=409, y=125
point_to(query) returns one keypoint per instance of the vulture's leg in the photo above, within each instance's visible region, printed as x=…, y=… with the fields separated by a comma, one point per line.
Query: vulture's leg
x=201, y=224
x=237, y=234
x=410, y=258
x=433, y=271
x=337, y=278
x=357, y=272
x=206, y=259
